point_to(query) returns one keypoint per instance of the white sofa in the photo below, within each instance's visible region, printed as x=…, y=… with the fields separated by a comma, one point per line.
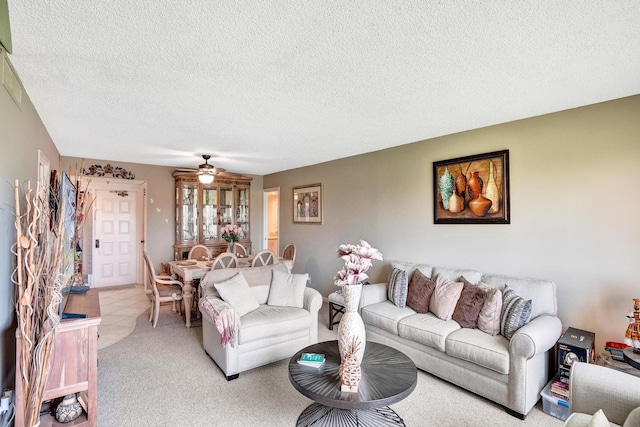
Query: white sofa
x=510, y=373
x=267, y=334
x=595, y=387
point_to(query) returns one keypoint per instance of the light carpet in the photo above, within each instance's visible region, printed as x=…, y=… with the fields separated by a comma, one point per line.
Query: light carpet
x=163, y=377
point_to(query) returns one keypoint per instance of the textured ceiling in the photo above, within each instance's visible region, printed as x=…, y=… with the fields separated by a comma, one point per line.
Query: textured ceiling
x=265, y=86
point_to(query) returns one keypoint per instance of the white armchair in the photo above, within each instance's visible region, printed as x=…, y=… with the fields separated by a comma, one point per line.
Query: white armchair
x=595, y=387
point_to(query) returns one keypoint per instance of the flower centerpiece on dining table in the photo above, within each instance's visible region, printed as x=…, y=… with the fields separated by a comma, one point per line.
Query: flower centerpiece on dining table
x=231, y=233
x=351, y=333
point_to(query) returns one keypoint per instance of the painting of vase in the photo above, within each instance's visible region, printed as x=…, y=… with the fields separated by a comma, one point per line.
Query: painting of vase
x=472, y=189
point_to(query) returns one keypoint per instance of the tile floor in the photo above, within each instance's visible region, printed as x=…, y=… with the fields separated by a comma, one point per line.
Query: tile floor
x=120, y=306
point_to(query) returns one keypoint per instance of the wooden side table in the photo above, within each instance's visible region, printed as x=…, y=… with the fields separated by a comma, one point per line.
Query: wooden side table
x=336, y=305
x=388, y=376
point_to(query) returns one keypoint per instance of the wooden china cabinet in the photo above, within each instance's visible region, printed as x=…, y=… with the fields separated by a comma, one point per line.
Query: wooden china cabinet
x=202, y=209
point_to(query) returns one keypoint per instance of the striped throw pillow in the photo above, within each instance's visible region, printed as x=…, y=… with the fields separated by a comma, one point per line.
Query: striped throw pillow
x=398, y=287
x=516, y=312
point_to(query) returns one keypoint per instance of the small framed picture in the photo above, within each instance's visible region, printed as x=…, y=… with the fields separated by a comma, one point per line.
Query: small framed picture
x=307, y=204
x=472, y=189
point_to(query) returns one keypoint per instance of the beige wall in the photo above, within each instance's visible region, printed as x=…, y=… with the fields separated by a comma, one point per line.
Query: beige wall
x=574, y=203
x=22, y=134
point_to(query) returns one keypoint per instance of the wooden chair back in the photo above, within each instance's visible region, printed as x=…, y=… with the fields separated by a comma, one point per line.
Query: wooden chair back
x=290, y=252
x=224, y=260
x=199, y=252
x=241, y=251
x=264, y=257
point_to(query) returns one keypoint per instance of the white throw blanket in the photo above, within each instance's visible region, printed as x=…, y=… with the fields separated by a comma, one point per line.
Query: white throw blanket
x=225, y=318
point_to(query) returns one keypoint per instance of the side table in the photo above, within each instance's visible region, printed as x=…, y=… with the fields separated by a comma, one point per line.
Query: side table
x=388, y=376
x=336, y=305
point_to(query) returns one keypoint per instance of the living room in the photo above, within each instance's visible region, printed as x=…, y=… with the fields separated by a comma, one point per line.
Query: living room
x=573, y=207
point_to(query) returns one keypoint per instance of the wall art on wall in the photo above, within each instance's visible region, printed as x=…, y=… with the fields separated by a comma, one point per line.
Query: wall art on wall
x=307, y=204
x=472, y=189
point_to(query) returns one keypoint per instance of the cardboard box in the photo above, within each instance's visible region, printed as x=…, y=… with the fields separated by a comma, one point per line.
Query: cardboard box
x=574, y=345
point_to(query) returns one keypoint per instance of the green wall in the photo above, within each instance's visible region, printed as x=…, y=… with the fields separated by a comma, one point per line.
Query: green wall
x=574, y=204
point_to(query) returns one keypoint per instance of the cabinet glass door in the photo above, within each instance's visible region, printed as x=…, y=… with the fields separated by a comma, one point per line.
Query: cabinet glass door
x=226, y=205
x=189, y=208
x=242, y=210
x=209, y=213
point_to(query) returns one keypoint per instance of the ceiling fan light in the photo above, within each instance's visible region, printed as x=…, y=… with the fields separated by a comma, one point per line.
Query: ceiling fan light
x=205, y=178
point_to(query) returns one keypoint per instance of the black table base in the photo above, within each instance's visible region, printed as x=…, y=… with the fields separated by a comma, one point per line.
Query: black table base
x=318, y=415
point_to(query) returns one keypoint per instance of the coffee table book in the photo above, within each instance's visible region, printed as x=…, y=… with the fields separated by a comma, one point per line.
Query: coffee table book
x=312, y=359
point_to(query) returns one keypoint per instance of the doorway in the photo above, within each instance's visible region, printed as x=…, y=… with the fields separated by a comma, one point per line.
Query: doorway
x=271, y=220
x=115, y=231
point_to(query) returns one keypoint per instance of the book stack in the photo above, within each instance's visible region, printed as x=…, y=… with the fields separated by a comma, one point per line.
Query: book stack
x=311, y=359
x=560, y=390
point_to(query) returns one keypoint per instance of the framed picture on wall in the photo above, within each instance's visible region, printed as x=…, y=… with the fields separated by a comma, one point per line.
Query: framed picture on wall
x=307, y=204
x=472, y=189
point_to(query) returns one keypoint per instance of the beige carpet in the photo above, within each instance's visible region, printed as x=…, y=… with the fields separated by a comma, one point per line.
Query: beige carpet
x=163, y=377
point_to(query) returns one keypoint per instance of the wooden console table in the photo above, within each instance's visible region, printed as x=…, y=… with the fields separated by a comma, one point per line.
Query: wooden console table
x=74, y=366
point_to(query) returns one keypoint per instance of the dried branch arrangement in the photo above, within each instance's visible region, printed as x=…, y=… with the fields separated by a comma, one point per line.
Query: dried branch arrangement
x=38, y=251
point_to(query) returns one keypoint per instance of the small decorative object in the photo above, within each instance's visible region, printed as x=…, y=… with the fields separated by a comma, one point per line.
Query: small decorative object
x=69, y=409
x=307, y=204
x=446, y=187
x=475, y=184
x=116, y=172
x=351, y=332
x=482, y=180
x=632, y=335
x=480, y=206
x=231, y=233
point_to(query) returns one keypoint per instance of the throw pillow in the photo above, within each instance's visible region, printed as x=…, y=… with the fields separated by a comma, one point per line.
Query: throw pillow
x=599, y=420
x=287, y=290
x=420, y=290
x=489, y=317
x=445, y=296
x=469, y=305
x=398, y=287
x=236, y=292
x=516, y=312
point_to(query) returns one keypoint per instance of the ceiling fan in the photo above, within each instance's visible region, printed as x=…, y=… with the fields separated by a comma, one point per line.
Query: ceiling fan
x=206, y=172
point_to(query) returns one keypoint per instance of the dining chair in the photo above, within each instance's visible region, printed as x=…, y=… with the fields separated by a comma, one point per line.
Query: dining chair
x=199, y=252
x=290, y=253
x=241, y=251
x=225, y=260
x=264, y=257
x=161, y=290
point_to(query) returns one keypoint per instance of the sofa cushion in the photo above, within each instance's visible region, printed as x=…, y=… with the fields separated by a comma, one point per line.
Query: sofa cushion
x=516, y=312
x=489, y=317
x=420, y=289
x=469, y=305
x=385, y=315
x=542, y=293
x=287, y=289
x=268, y=321
x=427, y=329
x=236, y=292
x=255, y=276
x=453, y=274
x=398, y=287
x=473, y=345
x=445, y=297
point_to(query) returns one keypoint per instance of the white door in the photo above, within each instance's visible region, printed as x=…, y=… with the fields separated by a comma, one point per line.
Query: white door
x=271, y=201
x=115, y=238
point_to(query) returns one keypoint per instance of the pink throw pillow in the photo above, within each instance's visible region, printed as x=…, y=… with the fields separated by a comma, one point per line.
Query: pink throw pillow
x=445, y=297
x=489, y=317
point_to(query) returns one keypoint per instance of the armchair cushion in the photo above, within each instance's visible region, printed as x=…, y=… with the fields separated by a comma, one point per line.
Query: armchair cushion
x=287, y=290
x=236, y=292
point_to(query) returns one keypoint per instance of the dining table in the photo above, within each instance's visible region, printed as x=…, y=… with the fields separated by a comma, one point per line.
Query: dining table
x=189, y=270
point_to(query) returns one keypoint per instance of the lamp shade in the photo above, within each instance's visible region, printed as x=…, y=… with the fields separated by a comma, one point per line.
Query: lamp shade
x=205, y=178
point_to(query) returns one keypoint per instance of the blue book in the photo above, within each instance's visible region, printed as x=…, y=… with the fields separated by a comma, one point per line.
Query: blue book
x=311, y=359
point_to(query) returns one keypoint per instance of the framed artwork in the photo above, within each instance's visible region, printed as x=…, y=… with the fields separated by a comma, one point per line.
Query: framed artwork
x=472, y=189
x=307, y=204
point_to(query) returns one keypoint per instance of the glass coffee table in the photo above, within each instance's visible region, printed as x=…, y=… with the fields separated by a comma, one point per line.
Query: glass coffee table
x=388, y=376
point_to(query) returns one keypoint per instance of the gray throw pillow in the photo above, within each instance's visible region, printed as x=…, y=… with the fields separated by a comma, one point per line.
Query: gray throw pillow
x=516, y=312
x=398, y=287
x=236, y=292
x=287, y=290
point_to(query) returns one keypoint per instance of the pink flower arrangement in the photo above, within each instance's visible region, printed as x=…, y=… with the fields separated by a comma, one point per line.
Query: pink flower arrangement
x=357, y=260
x=231, y=233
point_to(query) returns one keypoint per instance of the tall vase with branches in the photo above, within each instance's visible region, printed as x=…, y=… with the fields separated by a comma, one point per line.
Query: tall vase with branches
x=38, y=283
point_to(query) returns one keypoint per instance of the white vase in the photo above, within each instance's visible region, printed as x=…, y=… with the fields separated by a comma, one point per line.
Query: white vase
x=231, y=247
x=351, y=339
x=492, y=192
